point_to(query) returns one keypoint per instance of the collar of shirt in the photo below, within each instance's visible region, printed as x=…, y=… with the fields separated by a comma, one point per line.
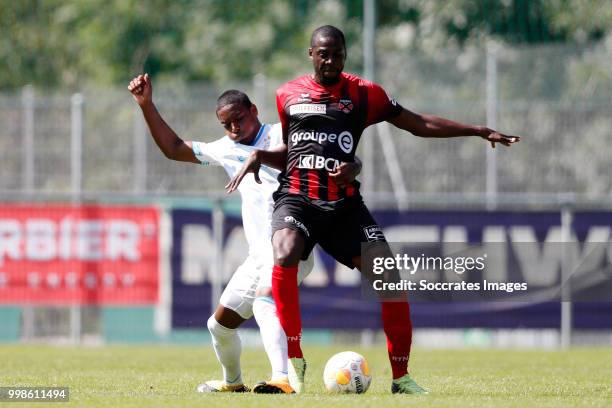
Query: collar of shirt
x=258, y=136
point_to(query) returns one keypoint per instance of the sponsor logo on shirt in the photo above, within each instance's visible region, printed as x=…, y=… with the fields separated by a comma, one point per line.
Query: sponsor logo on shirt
x=307, y=108
x=344, y=139
x=373, y=233
x=313, y=161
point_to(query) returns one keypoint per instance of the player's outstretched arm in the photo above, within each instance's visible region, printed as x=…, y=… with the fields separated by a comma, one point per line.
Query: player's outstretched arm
x=275, y=158
x=172, y=146
x=435, y=126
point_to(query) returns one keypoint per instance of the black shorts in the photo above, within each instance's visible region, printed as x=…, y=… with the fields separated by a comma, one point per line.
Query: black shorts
x=339, y=232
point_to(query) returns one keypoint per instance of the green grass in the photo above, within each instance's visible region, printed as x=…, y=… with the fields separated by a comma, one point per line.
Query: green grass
x=149, y=376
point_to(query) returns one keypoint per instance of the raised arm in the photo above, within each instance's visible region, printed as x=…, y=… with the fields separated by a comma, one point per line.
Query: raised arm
x=171, y=145
x=435, y=126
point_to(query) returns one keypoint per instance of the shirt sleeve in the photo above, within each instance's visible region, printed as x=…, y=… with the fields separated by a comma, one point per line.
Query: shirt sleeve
x=276, y=135
x=282, y=115
x=206, y=153
x=380, y=106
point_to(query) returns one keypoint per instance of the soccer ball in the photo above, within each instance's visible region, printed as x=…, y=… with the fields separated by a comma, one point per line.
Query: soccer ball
x=347, y=372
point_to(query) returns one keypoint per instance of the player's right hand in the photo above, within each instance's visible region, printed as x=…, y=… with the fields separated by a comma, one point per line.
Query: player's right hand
x=251, y=165
x=141, y=89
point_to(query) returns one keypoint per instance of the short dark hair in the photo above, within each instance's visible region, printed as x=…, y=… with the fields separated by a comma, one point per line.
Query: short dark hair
x=327, y=31
x=233, y=97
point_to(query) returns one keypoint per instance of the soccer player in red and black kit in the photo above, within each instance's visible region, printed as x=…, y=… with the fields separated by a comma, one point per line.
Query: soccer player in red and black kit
x=323, y=116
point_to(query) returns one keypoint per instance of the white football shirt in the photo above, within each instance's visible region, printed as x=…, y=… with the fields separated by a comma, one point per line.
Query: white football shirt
x=257, y=202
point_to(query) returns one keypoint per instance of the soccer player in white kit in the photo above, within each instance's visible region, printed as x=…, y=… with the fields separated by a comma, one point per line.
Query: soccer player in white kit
x=248, y=293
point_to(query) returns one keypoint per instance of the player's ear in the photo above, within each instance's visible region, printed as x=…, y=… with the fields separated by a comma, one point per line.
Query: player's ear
x=310, y=52
x=254, y=110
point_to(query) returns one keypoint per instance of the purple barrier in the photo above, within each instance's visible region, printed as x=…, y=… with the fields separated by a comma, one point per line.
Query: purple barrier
x=334, y=305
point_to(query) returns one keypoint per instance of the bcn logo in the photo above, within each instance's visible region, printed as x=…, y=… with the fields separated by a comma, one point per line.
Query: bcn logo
x=312, y=161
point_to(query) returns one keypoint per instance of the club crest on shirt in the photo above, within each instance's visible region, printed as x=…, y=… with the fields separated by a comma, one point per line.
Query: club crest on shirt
x=345, y=105
x=266, y=143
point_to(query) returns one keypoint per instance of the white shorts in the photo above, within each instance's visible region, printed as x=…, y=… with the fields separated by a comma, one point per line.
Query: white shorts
x=241, y=290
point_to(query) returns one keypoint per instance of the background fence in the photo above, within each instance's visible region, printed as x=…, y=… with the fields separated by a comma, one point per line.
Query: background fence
x=557, y=97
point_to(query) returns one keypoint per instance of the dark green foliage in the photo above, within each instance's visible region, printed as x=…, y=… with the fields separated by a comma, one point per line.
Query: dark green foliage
x=56, y=43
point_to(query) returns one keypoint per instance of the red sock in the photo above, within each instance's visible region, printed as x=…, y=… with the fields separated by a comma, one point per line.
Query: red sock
x=398, y=328
x=286, y=297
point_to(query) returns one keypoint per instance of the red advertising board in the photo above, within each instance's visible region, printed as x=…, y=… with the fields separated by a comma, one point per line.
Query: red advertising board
x=91, y=254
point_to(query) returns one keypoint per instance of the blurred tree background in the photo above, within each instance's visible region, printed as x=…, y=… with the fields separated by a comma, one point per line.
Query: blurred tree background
x=76, y=43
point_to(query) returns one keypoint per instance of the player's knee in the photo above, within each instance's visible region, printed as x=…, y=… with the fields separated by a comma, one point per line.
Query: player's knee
x=211, y=324
x=217, y=329
x=264, y=292
x=264, y=309
x=288, y=247
x=285, y=257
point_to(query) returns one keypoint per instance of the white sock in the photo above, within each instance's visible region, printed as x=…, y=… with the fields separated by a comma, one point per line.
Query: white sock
x=227, y=345
x=272, y=335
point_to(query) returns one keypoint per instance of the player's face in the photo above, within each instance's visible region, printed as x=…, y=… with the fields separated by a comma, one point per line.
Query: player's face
x=328, y=55
x=240, y=123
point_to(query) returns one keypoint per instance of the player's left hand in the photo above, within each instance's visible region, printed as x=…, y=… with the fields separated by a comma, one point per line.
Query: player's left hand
x=251, y=165
x=496, y=137
x=345, y=173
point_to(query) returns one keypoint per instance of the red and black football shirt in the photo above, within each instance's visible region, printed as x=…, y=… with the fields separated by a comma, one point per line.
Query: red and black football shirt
x=322, y=126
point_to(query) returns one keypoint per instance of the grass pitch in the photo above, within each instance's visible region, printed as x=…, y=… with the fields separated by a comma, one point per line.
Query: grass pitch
x=152, y=376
